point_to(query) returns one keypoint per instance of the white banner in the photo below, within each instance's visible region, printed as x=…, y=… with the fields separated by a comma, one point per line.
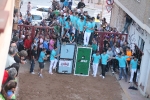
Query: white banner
x=65, y=63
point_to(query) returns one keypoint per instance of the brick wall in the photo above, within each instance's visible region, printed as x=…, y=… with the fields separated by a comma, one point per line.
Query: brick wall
x=140, y=9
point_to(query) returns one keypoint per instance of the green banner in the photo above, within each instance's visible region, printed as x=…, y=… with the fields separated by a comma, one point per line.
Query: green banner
x=83, y=58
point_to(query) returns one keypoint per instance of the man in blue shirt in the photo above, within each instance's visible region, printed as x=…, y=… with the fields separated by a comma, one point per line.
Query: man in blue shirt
x=104, y=60
x=87, y=34
x=122, y=64
x=53, y=60
x=96, y=57
x=41, y=59
x=133, y=66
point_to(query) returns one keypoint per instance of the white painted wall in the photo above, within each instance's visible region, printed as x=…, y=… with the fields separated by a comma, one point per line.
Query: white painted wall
x=134, y=33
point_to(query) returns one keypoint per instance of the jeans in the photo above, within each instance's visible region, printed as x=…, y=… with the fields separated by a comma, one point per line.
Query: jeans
x=126, y=27
x=121, y=71
x=103, y=69
x=32, y=66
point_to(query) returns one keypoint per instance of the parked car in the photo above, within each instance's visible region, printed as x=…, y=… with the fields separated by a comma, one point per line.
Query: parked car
x=41, y=9
x=37, y=18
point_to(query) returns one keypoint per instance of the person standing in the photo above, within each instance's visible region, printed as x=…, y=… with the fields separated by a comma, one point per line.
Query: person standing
x=127, y=24
x=29, y=7
x=33, y=58
x=53, y=60
x=27, y=44
x=80, y=26
x=41, y=59
x=96, y=58
x=104, y=60
x=110, y=53
x=70, y=4
x=87, y=33
x=133, y=65
x=122, y=65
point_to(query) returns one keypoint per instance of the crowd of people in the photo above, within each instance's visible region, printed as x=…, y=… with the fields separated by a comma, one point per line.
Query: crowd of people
x=68, y=26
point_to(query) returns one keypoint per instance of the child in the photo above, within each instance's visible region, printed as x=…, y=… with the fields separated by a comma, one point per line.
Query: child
x=72, y=38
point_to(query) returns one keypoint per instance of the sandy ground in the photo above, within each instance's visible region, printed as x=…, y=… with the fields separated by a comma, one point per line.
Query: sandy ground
x=66, y=87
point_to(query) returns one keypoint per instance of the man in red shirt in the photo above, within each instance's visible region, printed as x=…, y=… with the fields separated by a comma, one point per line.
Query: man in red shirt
x=27, y=44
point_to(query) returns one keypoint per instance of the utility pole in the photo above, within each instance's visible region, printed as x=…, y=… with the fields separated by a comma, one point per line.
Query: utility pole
x=102, y=7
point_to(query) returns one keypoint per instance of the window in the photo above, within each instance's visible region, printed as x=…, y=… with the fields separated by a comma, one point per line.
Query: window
x=36, y=17
x=141, y=44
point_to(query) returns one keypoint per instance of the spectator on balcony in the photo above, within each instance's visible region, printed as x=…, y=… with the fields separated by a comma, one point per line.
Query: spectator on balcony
x=127, y=24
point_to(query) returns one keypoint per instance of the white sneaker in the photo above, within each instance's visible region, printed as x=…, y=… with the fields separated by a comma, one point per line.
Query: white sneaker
x=94, y=76
x=113, y=72
x=103, y=77
x=41, y=75
x=100, y=75
x=32, y=73
x=51, y=73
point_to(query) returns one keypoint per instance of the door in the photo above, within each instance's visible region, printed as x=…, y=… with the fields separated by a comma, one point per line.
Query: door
x=83, y=59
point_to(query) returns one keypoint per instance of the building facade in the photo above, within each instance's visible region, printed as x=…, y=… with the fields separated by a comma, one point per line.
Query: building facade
x=6, y=23
x=139, y=33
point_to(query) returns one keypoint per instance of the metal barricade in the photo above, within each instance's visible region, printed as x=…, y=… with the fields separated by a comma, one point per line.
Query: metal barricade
x=101, y=35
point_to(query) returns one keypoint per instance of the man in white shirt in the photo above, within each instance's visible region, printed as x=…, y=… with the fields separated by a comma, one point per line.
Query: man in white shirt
x=10, y=58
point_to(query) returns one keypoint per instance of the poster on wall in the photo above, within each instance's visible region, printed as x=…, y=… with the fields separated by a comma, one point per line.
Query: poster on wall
x=83, y=59
x=65, y=66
